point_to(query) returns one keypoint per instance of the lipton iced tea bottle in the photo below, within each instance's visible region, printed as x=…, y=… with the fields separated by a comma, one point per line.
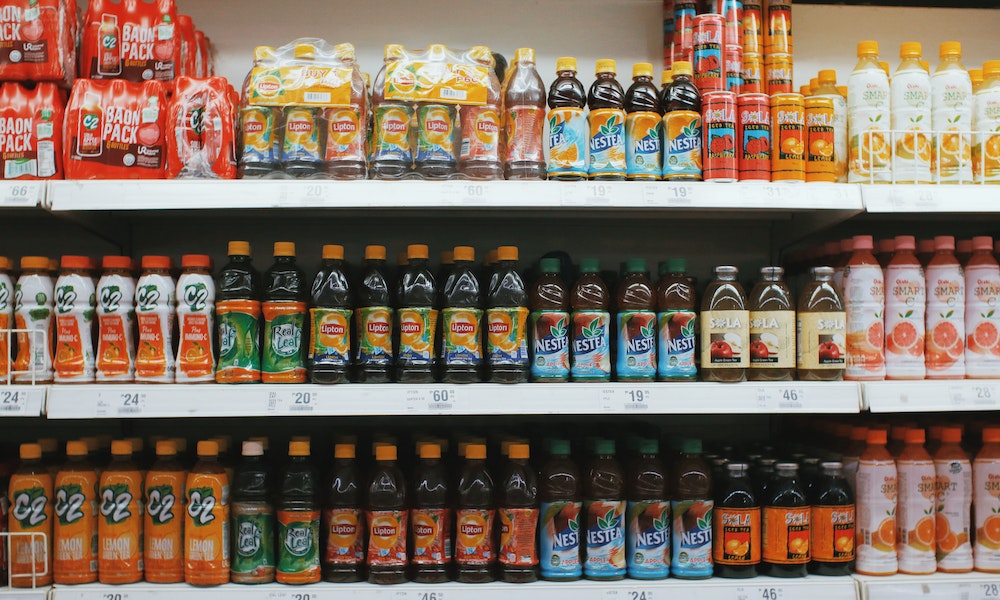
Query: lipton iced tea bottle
x=591, y=324
x=507, y=321
x=832, y=522
x=772, y=328
x=604, y=524
x=417, y=318
x=74, y=530
x=905, y=301
x=821, y=327
x=475, y=543
x=676, y=319
x=559, y=490
x=461, y=317
x=436, y=155
x=253, y=518
x=786, y=524
x=73, y=359
x=479, y=156
x=518, y=514
x=298, y=519
x=691, y=504
x=681, y=103
x=343, y=519
x=391, y=152
x=725, y=330
x=195, y=320
x=953, y=503
x=284, y=309
x=736, y=525
x=986, y=502
x=868, y=119
x=568, y=131
x=642, y=125
x=647, y=533
x=30, y=493
x=330, y=320
x=238, y=313
x=523, y=118
x=206, y=521
x=636, y=318
x=430, y=517
x=386, y=519
x=119, y=528
x=154, y=308
x=115, y=320
x=915, y=520
x=550, y=324
x=946, y=293
x=827, y=88
x=374, y=319
x=347, y=127
x=864, y=295
x=951, y=100
x=163, y=524
x=33, y=307
x=911, y=117
x=607, y=124
x=982, y=323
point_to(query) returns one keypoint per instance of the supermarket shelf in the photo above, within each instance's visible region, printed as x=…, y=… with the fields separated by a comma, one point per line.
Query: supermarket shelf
x=22, y=194
x=902, y=199
x=810, y=588
x=931, y=396
x=940, y=586
x=211, y=400
x=22, y=400
x=41, y=593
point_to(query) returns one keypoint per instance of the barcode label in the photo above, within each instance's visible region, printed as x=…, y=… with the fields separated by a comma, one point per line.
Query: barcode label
x=46, y=158
x=12, y=169
x=45, y=130
x=450, y=94
x=316, y=97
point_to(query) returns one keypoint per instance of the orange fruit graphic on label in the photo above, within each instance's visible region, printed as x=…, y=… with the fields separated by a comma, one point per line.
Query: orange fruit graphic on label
x=902, y=338
x=844, y=544
x=798, y=545
x=791, y=145
x=332, y=329
x=501, y=331
x=924, y=531
x=343, y=128
x=821, y=148
x=991, y=528
x=984, y=337
x=412, y=333
x=886, y=532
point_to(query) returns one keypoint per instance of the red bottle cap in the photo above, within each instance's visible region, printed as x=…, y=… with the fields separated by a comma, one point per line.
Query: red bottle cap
x=156, y=262
x=952, y=435
x=915, y=436
x=117, y=262
x=944, y=242
x=876, y=437
x=74, y=263
x=982, y=242
x=863, y=242
x=905, y=242
x=196, y=261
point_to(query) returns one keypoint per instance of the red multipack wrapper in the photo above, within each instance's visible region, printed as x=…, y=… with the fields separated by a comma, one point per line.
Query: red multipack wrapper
x=201, y=129
x=135, y=40
x=38, y=40
x=31, y=131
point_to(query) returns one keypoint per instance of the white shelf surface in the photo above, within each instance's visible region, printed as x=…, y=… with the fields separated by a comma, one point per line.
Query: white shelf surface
x=939, y=586
x=41, y=593
x=932, y=396
x=908, y=198
x=213, y=400
x=262, y=194
x=810, y=588
x=22, y=400
x=22, y=194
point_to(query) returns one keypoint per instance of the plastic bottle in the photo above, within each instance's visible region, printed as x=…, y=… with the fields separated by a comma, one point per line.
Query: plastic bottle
x=115, y=356
x=945, y=338
x=963, y=251
x=785, y=525
x=827, y=88
x=772, y=328
x=347, y=128
x=417, y=318
x=559, y=489
x=392, y=150
x=737, y=522
x=591, y=324
x=986, y=503
x=33, y=308
x=951, y=100
x=691, y=505
x=607, y=124
x=915, y=521
x=238, y=317
x=911, y=117
x=298, y=517
x=73, y=360
x=475, y=543
x=119, y=528
x=821, y=326
x=523, y=118
x=206, y=521
x=868, y=119
x=387, y=520
x=461, y=319
x=6, y=317
x=195, y=320
x=905, y=302
x=986, y=151
x=682, y=142
x=976, y=75
x=431, y=517
x=725, y=328
x=31, y=511
x=636, y=324
x=154, y=308
x=343, y=519
x=330, y=320
x=163, y=521
x=374, y=320
x=647, y=533
x=953, y=503
x=507, y=321
x=436, y=155
x=284, y=309
x=479, y=156
x=548, y=300
x=74, y=530
x=643, y=123
x=518, y=513
x=982, y=282
x=864, y=296
x=677, y=322
x=568, y=131
x=604, y=525
x=832, y=522
x=253, y=559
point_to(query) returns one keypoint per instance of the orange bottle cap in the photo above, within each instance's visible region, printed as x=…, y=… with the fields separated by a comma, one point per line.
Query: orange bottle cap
x=520, y=451
x=507, y=253
x=643, y=69
x=805, y=90
x=862, y=242
x=867, y=47
x=911, y=50
x=238, y=248
x=30, y=451
x=827, y=77
x=5, y=263
x=430, y=450
x=565, y=63
x=284, y=248
x=915, y=436
x=343, y=451
x=475, y=451
x=116, y=262
x=524, y=55
x=982, y=242
x=298, y=448
x=374, y=252
x=121, y=448
x=466, y=253
x=417, y=251
x=944, y=242
x=74, y=262
x=991, y=435
x=991, y=68
x=53, y=265
x=34, y=263
x=196, y=261
x=333, y=252
x=607, y=65
x=905, y=242
x=976, y=75
x=166, y=448
x=682, y=67
x=76, y=448
x=208, y=448
x=952, y=435
x=950, y=49
x=876, y=437
x=156, y=262
x=385, y=452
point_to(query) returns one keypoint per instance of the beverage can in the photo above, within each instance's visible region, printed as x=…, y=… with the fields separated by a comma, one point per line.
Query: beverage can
x=754, y=133
x=788, y=130
x=732, y=15
x=752, y=26
x=719, y=133
x=777, y=74
x=709, y=62
x=682, y=155
x=821, y=157
x=733, y=58
x=239, y=324
x=685, y=12
x=751, y=80
x=778, y=34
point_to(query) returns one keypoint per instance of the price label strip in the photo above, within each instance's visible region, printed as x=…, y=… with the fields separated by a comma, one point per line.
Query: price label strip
x=432, y=400
x=21, y=194
x=292, y=402
x=20, y=401
x=124, y=403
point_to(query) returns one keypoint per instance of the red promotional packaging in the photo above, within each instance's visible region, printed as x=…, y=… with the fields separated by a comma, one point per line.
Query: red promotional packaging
x=189, y=47
x=200, y=126
x=205, y=66
x=115, y=130
x=31, y=131
x=135, y=40
x=38, y=40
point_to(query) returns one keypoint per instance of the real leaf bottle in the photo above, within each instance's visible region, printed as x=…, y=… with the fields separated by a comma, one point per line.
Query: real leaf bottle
x=284, y=308
x=238, y=318
x=252, y=513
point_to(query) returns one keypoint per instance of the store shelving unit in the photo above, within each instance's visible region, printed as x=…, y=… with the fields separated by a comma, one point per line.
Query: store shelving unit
x=940, y=586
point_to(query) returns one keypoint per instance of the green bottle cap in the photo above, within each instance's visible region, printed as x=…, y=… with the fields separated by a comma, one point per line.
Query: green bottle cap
x=648, y=446
x=676, y=265
x=604, y=447
x=559, y=447
x=635, y=265
x=691, y=447
x=549, y=265
x=590, y=265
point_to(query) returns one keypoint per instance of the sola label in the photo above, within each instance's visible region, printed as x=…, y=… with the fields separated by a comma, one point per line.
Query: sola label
x=905, y=301
x=954, y=499
x=195, y=321
x=945, y=341
x=982, y=320
x=73, y=361
x=864, y=295
x=605, y=539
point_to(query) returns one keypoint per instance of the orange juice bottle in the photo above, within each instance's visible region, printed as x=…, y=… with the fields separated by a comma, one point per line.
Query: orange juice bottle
x=864, y=294
x=119, y=528
x=915, y=526
x=74, y=529
x=986, y=151
x=876, y=512
x=954, y=503
x=986, y=502
x=982, y=323
x=905, y=299
x=154, y=309
x=206, y=524
x=945, y=340
x=868, y=119
x=911, y=117
x=30, y=493
x=298, y=519
x=163, y=527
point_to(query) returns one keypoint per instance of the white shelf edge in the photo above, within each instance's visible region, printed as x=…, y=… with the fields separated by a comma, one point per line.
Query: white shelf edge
x=22, y=400
x=910, y=198
x=939, y=586
x=932, y=396
x=16, y=193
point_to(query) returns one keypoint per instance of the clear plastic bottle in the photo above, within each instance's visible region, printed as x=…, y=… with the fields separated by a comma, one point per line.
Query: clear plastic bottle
x=330, y=319
x=559, y=526
x=343, y=519
x=643, y=125
x=523, y=118
x=417, y=318
x=238, y=315
x=461, y=353
x=73, y=361
x=677, y=321
x=518, y=513
x=392, y=151
x=606, y=100
x=568, y=133
x=682, y=126
x=868, y=119
x=387, y=519
x=431, y=517
x=725, y=328
x=911, y=117
x=195, y=320
x=284, y=309
x=436, y=152
x=507, y=321
x=475, y=547
x=298, y=515
x=951, y=93
x=479, y=156
x=254, y=527
x=373, y=356
x=155, y=312
x=591, y=325
x=636, y=324
x=548, y=300
x=604, y=524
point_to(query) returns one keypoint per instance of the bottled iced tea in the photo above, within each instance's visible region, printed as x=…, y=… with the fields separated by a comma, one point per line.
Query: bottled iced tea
x=606, y=100
x=821, y=327
x=559, y=527
x=523, y=118
x=238, y=317
x=343, y=518
x=736, y=534
x=417, y=318
x=636, y=324
x=647, y=532
x=475, y=544
x=691, y=505
x=548, y=300
x=832, y=522
x=507, y=321
x=677, y=321
x=373, y=352
x=518, y=512
x=330, y=319
x=786, y=524
x=590, y=334
x=461, y=318
x=772, y=328
x=567, y=124
x=725, y=328
x=253, y=518
x=604, y=525
x=387, y=519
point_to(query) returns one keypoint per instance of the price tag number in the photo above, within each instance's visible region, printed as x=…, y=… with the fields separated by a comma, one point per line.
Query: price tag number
x=638, y=595
x=10, y=400
x=769, y=593
x=475, y=191
x=112, y=596
x=441, y=400
x=984, y=392
x=131, y=402
x=990, y=590
x=430, y=596
x=302, y=401
x=637, y=395
x=600, y=191
x=314, y=191
x=298, y=596
x=20, y=194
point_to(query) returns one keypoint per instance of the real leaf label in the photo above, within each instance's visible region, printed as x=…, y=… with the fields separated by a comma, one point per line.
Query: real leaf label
x=298, y=539
x=550, y=344
x=677, y=340
x=591, y=344
x=75, y=525
x=647, y=537
x=518, y=529
x=284, y=356
x=387, y=535
x=636, y=344
x=430, y=529
x=737, y=536
x=605, y=537
x=559, y=539
x=474, y=541
x=821, y=340
x=786, y=535
x=772, y=339
x=832, y=535
x=507, y=336
x=254, y=537
x=239, y=340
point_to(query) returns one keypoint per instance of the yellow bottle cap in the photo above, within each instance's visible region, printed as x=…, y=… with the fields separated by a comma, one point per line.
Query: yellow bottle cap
x=76, y=448
x=34, y=263
x=991, y=68
x=208, y=448
x=166, y=448
x=565, y=63
x=507, y=253
x=606, y=65
x=298, y=448
x=667, y=76
x=374, y=252
x=121, y=448
x=911, y=50
x=333, y=252
x=284, y=248
x=842, y=90
x=827, y=77
x=868, y=47
x=814, y=83
x=520, y=451
x=394, y=51
x=385, y=452
x=263, y=53
x=524, y=55
x=30, y=451
x=805, y=90
x=239, y=248
x=467, y=253
x=416, y=251
x=925, y=65
x=5, y=264
x=306, y=51
x=682, y=67
x=976, y=75
x=643, y=69
x=950, y=49
x=343, y=451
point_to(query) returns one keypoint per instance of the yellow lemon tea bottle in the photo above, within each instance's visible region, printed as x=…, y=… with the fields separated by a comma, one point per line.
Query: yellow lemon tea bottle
x=163, y=526
x=74, y=530
x=119, y=526
x=206, y=521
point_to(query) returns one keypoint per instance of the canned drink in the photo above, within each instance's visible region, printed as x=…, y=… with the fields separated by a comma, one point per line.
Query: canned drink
x=821, y=155
x=778, y=74
x=719, y=118
x=752, y=26
x=788, y=131
x=684, y=14
x=753, y=123
x=734, y=69
x=668, y=29
x=709, y=73
x=732, y=15
x=753, y=67
x=778, y=34
x=301, y=152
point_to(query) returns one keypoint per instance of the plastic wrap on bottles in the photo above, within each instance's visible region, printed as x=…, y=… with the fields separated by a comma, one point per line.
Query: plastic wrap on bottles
x=201, y=129
x=31, y=134
x=38, y=40
x=135, y=41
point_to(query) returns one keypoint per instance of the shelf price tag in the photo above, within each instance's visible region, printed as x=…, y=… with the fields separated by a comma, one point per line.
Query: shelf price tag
x=680, y=195
x=433, y=400
x=126, y=403
x=21, y=194
x=981, y=591
x=636, y=400
x=983, y=395
x=295, y=595
x=768, y=593
x=790, y=398
x=13, y=400
x=292, y=402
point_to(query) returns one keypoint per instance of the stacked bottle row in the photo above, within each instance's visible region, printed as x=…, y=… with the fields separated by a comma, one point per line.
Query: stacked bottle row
x=466, y=324
x=435, y=517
